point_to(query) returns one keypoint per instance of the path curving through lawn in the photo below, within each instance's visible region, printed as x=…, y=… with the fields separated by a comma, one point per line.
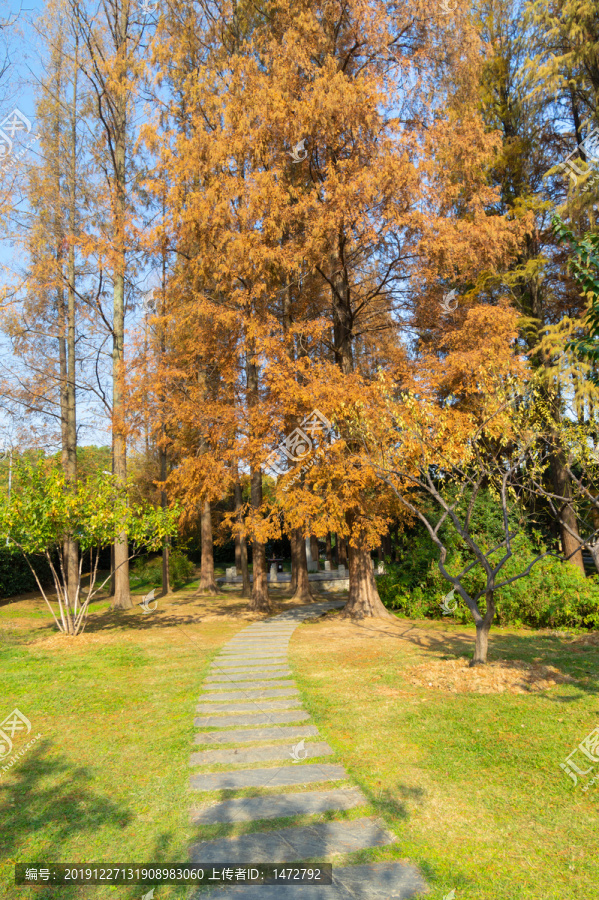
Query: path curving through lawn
x=266, y=742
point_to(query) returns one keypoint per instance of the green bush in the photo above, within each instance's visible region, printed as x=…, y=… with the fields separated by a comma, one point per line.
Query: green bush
x=148, y=570
x=554, y=595
x=15, y=575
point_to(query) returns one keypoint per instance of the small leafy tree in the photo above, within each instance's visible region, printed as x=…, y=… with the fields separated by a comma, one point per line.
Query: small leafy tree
x=506, y=462
x=43, y=509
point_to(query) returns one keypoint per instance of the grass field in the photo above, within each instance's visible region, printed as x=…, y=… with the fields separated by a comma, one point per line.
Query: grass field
x=469, y=780
x=463, y=766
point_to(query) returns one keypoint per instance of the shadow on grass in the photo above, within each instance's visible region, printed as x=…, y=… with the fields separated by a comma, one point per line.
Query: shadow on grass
x=570, y=656
x=46, y=805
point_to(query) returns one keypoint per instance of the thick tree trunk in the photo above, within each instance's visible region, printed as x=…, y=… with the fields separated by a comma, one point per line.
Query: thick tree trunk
x=260, y=601
x=315, y=554
x=299, y=567
x=207, y=583
x=241, y=548
x=364, y=600
x=483, y=628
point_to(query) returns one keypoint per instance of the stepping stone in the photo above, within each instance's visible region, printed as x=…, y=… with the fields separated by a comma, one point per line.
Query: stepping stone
x=238, y=706
x=281, y=656
x=259, y=639
x=249, y=653
x=249, y=663
x=265, y=639
x=294, y=715
x=243, y=685
x=239, y=675
x=224, y=663
x=281, y=776
x=251, y=694
x=248, y=755
x=256, y=734
x=372, y=881
x=316, y=841
x=249, y=809
x=258, y=642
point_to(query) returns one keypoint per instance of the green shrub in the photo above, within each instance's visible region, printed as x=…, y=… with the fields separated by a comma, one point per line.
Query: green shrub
x=148, y=570
x=15, y=575
x=554, y=595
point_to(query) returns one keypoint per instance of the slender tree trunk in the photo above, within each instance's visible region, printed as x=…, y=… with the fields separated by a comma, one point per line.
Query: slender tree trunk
x=315, y=553
x=241, y=548
x=336, y=551
x=299, y=565
x=71, y=397
x=483, y=628
x=207, y=583
x=260, y=601
x=122, y=595
x=166, y=544
x=237, y=554
x=363, y=600
x=563, y=487
x=293, y=583
x=329, y=550
x=342, y=556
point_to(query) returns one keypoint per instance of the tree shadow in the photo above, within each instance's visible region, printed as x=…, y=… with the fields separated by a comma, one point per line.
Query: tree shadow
x=34, y=808
x=571, y=657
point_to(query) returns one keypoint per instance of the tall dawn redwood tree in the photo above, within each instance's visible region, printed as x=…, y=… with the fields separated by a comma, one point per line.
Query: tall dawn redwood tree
x=110, y=39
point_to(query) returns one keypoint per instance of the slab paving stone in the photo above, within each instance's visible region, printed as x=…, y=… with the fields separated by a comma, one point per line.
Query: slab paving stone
x=317, y=841
x=250, y=694
x=283, y=776
x=249, y=809
x=372, y=881
x=273, y=718
x=233, y=662
x=248, y=663
x=238, y=675
x=256, y=734
x=252, y=657
x=259, y=638
x=280, y=656
x=245, y=685
x=247, y=755
x=250, y=654
x=238, y=706
x=258, y=642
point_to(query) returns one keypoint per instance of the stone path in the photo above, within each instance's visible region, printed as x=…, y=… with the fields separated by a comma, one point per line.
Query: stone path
x=256, y=703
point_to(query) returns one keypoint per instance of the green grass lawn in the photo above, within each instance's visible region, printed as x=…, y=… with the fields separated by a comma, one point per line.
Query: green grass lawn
x=469, y=781
x=108, y=779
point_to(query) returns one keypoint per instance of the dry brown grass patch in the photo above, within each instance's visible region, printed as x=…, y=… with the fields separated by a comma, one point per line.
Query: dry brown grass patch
x=509, y=676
